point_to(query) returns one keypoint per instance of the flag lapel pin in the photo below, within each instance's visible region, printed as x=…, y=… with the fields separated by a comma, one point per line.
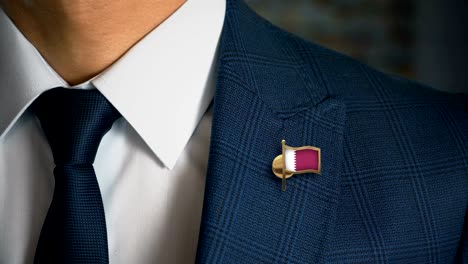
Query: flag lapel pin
x=298, y=160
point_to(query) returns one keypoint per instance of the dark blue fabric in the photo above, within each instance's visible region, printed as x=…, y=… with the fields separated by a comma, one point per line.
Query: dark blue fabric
x=394, y=182
x=74, y=122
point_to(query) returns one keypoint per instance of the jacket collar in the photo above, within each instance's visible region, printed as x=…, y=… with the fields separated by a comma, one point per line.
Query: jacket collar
x=268, y=90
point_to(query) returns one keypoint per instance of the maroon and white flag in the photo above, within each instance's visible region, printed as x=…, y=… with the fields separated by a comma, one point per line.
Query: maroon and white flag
x=298, y=160
x=302, y=159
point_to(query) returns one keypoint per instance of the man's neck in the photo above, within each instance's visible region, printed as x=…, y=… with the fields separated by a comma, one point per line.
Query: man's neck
x=81, y=38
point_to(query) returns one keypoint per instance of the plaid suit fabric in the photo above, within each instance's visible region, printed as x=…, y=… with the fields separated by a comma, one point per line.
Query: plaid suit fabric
x=394, y=182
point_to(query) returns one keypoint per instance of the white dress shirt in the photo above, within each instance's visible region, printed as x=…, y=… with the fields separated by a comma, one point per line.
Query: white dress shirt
x=150, y=166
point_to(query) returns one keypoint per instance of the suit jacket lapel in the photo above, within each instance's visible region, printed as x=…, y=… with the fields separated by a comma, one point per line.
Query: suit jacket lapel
x=265, y=94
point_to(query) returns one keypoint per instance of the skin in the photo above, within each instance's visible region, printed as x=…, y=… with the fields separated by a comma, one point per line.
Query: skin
x=81, y=38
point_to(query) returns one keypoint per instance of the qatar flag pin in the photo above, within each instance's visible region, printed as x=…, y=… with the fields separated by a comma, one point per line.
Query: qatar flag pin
x=305, y=159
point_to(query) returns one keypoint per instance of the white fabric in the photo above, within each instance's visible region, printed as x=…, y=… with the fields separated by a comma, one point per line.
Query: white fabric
x=150, y=166
x=290, y=162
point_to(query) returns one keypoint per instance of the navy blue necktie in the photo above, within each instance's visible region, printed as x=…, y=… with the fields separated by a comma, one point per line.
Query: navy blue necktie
x=74, y=122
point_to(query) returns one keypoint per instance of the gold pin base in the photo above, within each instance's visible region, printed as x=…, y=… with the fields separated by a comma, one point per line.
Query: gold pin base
x=277, y=167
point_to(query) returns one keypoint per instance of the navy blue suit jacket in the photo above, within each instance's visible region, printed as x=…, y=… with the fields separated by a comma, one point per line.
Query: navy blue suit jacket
x=394, y=181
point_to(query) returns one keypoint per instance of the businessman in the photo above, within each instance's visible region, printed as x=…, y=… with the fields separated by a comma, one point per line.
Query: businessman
x=144, y=132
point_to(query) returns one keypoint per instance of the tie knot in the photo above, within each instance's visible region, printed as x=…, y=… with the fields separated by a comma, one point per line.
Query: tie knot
x=74, y=122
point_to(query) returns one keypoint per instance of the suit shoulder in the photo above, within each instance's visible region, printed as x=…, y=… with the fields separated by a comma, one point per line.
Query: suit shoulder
x=346, y=76
x=289, y=72
x=364, y=88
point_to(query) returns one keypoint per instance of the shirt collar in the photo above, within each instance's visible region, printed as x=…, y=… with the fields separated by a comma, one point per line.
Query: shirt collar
x=162, y=86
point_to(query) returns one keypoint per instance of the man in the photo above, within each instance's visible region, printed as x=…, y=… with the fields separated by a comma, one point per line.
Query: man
x=393, y=186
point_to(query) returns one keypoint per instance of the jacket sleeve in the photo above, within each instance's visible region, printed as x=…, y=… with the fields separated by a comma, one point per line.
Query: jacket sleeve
x=462, y=254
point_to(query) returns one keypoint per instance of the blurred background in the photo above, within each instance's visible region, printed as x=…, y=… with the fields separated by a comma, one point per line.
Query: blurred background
x=425, y=40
